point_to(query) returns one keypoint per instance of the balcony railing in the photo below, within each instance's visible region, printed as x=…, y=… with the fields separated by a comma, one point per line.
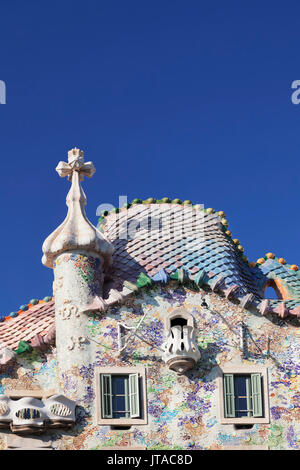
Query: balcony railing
x=28, y=414
x=181, y=349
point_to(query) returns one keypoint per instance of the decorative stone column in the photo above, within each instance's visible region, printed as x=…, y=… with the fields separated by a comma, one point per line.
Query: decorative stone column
x=78, y=254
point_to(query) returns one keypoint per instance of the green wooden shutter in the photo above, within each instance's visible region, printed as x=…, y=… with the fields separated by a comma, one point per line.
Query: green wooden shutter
x=127, y=397
x=106, y=396
x=256, y=395
x=229, y=408
x=249, y=396
x=134, y=398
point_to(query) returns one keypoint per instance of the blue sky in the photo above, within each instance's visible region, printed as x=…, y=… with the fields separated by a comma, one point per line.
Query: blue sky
x=167, y=98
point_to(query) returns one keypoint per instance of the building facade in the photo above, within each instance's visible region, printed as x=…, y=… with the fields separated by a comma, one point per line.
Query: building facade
x=158, y=335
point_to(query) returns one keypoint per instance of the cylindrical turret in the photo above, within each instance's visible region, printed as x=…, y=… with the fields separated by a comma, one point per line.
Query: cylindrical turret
x=78, y=254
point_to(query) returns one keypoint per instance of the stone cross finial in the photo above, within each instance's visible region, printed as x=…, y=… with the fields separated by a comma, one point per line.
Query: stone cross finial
x=76, y=232
x=75, y=163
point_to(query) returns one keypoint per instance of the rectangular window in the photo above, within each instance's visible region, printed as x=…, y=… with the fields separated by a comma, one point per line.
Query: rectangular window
x=121, y=395
x=244, y=395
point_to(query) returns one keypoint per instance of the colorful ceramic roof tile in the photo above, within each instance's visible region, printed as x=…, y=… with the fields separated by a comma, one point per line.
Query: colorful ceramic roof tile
x=173, y=236
x=158, y=241
x=151, y=236
x=33, y=325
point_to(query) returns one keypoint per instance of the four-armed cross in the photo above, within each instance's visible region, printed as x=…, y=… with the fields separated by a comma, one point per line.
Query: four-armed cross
x=75, y=163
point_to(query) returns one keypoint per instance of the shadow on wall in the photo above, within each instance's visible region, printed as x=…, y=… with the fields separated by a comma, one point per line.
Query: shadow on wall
x=207, y=365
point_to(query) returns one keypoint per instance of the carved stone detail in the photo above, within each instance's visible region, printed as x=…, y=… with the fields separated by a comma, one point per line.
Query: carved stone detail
x=68, y=311
x=181, y=349
x=58, y=284
x=79, y=342
x=76, y=231
x=28, y=414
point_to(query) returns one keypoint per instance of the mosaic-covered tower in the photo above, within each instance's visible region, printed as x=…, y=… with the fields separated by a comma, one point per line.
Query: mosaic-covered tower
x=165, y=336
x=78, y=253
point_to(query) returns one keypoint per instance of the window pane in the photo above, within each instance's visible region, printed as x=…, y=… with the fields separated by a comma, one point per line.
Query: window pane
x=119, y=403
x=242, y=396
x=241, y=407
x=121, y=414
x=240, y=386
x=118, y=384
x=120, y=397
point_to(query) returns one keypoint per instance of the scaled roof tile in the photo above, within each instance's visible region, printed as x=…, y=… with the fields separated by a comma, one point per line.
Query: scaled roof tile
x=181, y=237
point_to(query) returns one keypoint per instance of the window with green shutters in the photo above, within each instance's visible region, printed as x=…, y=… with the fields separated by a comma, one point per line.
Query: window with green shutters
x=243, y=395
x=257, y=408
x=134, y=401
x=120, y=396
x=106, y=387
x=229, y=405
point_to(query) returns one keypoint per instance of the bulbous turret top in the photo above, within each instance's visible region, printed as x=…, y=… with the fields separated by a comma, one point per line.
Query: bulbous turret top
x=76, y=232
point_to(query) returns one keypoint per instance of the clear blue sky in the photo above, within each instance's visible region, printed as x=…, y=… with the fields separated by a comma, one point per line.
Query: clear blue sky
x=186, y=99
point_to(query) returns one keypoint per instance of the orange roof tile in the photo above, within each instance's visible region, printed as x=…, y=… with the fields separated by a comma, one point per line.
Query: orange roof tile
x=37, y=319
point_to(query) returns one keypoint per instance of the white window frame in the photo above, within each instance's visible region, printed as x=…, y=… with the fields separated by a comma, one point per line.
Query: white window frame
x=142, y=396
x=244, y=369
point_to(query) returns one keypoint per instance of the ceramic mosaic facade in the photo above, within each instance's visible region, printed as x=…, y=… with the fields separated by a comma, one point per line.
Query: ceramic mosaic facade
x=183, y=411
x=112, y=306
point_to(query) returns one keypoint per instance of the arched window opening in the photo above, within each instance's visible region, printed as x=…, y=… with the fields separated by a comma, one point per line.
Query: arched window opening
x=270, y=293
x=178, y=321
x=179, y=317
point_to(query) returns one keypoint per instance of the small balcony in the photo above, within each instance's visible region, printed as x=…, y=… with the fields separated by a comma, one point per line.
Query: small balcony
x=181, y=349
x=31, y=415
